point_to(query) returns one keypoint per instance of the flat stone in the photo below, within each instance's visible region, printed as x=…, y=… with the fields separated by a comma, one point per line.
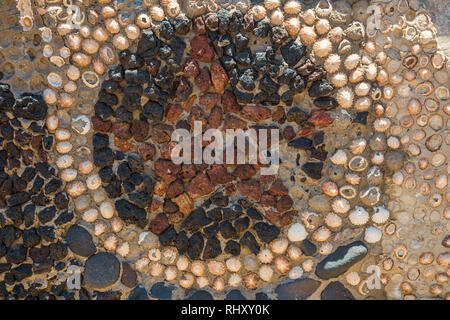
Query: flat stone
x=201, y=295
x=101, y=270
x=161, y=290
x=341, y=260
x=336, y=291
x=235, y=294
x=129, y=276
x=138, y=293
x=266, y=232
x=131, y=213
x=80, y=241
x=297, y=290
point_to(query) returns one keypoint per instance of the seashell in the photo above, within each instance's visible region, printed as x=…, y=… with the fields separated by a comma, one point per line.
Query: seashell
x=81, y=59
x=132, y=31
x=112, y=26
x=266, y=273
x=390, y=229
x=251, y=281
x=57, y=61
x=332, y=63
x=66, y=100
x=279, y=246
x=323, y=8
x=345, y=47
x=50, y=97
x=296, y=273
x=233, y=265
x=426, y=36
x=309, y=16
x=108, y=12
x=157, y=13
x=100, y=227
x=330, y=188
x=46, y=34
x=425, y=88
x=372, y=235
x=265, y=256
x=85, y=31
x=292, y=25
x=81, y=124
x=116, y=224
x=73, y=73
x=339, y=157
x=98, y=66
x=90, y=46
x=271, y=4
x=359, y=216
x=142, y=264
x=198, y=268
x=73, y=41
x=108, y=55
x=358, y=163
x=352, y=61
x=353, y=278
x=282, y=264
x=63, y=29
x=173, y=9
x=442, y=93
x=410, y=61
x=120, y=42
x=62, y=134
x=54, y=79
x=358, y=146
x=297, y=232
x=322, y=47
x=381, y=124
x=277, y=17
x=294, y=253
x=370, y=196
x=438, y=60
x=356, y=76
x=47, y=51
x=308, y=35
x=347, y=192
x=90, y=215
x=76, y=188
x=292, y=7
x=259, y=12
x=363, y=104
x=216, y=268
x=321, y=235
x=362, y=88
x=187, y=280
x=69, y=175
x=143, y=21
x=85, y=167
x=340, y=205
x=339, y=80
x=308, y=265
x=335, y=35
x=380, y=215
x=371, y=72
x=332, y=220
x=322, y=26
x=90, y=79
x=64, y=161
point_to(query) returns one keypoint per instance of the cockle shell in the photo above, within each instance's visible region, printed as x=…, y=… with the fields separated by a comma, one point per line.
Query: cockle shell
x=359, y=216
x=380, y=215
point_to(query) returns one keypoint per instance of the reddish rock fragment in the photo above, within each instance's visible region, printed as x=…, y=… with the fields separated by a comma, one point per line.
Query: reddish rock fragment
x=320, y=118
x=160, y=188
x=191, y=68
x=219, y=174
x=272, y=216
x=185, y=203
x=147, y=151
x=159, y=224
x=197, y=114
x=123, y=144
x=250, y=189
x=153, y=66
x=166, y=150
x=175, y=217
x=199, y=25
x=306, y=130
x=215, y=117
x=287, y=218
x=139, y=130
x=175, y=189
x=166, y=169
x=208, y=101
x=266, y=179
x=173, y=111
x=189, y=102
x=121, y=130
x=36, y=142
x=155, y=205
x=233, y=122
x=244, y=171
x=201, y=50
x=162, y=132
x=278, y=114
x=219, y=77
x=255, y=113
x=101, y=126
x=184, y=89
x=203, y=80
x=278, y=188
x=284, y=203
x=199, y=186
x=288, y=133
x=187, y=171
x=268, y=200
x=229, y=102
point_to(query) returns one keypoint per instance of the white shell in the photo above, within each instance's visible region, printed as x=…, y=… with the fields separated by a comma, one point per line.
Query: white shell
x=339, y=157
x=359, y=216
x=297, y=232
x=372, y=235
x=296, y=272
x=380, y=215
x=81, y=124
x=54, y=80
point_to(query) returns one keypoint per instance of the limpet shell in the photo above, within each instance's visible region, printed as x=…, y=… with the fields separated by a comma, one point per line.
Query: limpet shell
x=55, y=80
x=90, y=79
x=57, y=61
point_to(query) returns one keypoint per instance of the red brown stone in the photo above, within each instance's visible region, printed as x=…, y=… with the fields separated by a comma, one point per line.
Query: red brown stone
x=159, y=224
x=101, y=126
x=166, y=150
x=306, y=130
x=278, y=114
x=233, y=122
x=124, y=145
x=185, y=203
x=201, y=50
x=250, y=189
x=160, y=188
x=229, y=102
x=268, y=200
x=189, y=102
x=147, y=151
x=173, y=111
x=155, y=205
x=139, y=130
x=162, y=132
x=187, y=171
x=153, y=67
x=278, y=188
x=121, y=130
x=197, y=114
x=272, y=216
x=219, y=77
x=284, y=203
x=287, y=218
x=289, y=133
x=166, y=169
x=320, y=118
x=256, y=113
x=199, y=186
x=215, y=117
x=219, y=174
x=184, y=89
x=203, y=80
x=175, y=217
x=175, y=189
x=199, y=25
x=191, y=68
x=208, y=100
x=244, y=171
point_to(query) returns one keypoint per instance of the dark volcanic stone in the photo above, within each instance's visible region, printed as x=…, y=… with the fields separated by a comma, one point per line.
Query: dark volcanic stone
x=292, y=52
x=326, y=103
x=148, y=44
x=22, y=272
x=18, y=198
x=30, y=106
x=182, y=242
x=162, y=291
x=101, y=270
x=168, y=237
x=341, y=260
x=313, y=169
x=30, y=238
x=266, y=232
x=6, y=97
x=254, y=214
x=241, y=224
x=138, y=293
x=301, y=143
x=140, y=198
x=201, y=295
x=212, y=249
x=131, y=213
x=268, y=85
x=308, y=248
x=361, y=117
x=211, y=231
x=227, y=230
x=103, y=157
x=297, y=289
x=196, y=220
x=320, y=88
x=80, y=241
x=17, y=254
x=235, y=294
x=262, y=28
x=248, y=240
x=232, y=247
x=129, y=276
x=336, y=291
x=46, y=215
x=195, y=248
x=261, y=296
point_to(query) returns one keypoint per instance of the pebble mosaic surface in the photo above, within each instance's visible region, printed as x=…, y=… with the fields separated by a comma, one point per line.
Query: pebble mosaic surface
x=91, y=91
